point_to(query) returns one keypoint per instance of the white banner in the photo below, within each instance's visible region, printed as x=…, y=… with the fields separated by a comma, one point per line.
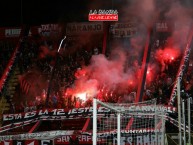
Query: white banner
x=37, y=136
x=58, y=114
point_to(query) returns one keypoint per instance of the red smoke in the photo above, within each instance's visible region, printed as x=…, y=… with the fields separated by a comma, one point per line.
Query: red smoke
x=83, y=89
x=102, y=77
x=80, y=73
x=168, y=55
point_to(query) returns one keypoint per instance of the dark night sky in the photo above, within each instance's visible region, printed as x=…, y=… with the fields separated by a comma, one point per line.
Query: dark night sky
x=54, y=11
x=48, y=11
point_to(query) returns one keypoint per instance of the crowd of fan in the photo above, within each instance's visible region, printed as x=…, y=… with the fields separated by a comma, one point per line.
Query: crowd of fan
x=43, y=57
x=161, y=87
x=33, y=56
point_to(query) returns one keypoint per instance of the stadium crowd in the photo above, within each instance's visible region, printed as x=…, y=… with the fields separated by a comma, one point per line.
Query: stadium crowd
x=43, y=68
x=41, y=57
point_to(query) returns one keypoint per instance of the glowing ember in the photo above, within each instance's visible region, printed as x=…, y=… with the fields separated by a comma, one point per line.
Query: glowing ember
x=82, y=96
x=80, y=73
x=167, y=54
x=148, y=71
x=130, y=82
x=151, y=73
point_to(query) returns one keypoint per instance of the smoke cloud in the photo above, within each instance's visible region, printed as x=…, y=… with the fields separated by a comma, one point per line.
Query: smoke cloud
x=182, y=17
x=111, y=72
x=117, y=72
x=104, y=72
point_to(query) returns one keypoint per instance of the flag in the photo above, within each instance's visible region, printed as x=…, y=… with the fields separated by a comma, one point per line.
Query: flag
x=24, y=85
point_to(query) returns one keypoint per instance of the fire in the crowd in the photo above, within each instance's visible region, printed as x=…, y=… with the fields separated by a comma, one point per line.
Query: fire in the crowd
x=152, y=70
x=110, y=72
x=80, y=73
x=103, y=78
x=149, y=74
x=168, y=54
x=82, y=96
x=84, y=90
x=130, y=82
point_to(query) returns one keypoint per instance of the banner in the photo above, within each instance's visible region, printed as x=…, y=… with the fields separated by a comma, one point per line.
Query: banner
x=25, y=85
x=164, y=26
x=101, y=134
x=126, y=139
x=121, y=30
x=22, y=119
x=43, y=30
x=66, y=140
x=37, y=136
x=57, y=114
x=65, y=137
x=27, y=142
x=9, y=32
x=48, y=30
x=16, y=125
x=82, y=28
x=13, y=32
x=49, y=114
